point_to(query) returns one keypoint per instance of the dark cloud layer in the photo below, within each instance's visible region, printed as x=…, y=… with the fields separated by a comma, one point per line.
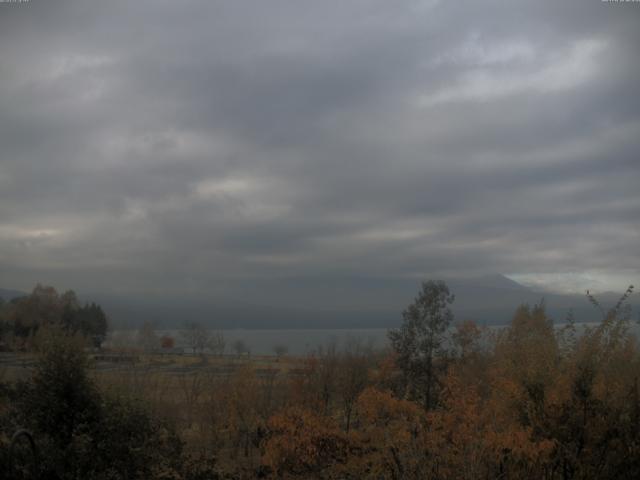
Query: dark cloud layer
x=255, y=149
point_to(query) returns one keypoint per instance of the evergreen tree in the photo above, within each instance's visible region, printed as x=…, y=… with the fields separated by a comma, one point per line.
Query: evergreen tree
x=420, y=338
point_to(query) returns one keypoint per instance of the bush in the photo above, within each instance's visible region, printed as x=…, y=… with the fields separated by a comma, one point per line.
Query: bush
x=82, y=433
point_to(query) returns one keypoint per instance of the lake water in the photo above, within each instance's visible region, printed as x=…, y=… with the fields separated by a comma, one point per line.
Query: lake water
x=300, y=342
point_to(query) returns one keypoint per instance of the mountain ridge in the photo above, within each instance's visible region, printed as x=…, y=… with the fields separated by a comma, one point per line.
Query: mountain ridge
x=8, y=294
x=488, y=299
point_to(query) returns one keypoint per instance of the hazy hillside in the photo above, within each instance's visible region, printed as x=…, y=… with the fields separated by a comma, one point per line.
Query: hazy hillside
x=489, y=300
x=7, y=295
x=370, y=303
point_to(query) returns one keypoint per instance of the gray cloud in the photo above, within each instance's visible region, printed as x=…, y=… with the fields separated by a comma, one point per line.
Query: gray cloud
x=254, y=149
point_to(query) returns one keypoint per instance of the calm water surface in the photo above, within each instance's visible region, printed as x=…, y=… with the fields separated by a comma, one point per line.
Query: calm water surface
x=302, y=342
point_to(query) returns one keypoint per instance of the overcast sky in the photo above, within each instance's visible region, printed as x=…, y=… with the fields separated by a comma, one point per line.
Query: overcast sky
x=224, y=147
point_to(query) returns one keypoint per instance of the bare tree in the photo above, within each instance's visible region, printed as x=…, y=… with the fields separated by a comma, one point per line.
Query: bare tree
x=240, y=347
x=352, y=376
x=147, y=337
x=323, y=374
x=196, y=336
x=217, y=343
x=280, y=350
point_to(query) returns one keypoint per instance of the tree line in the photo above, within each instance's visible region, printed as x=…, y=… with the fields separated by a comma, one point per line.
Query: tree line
x=22, y=318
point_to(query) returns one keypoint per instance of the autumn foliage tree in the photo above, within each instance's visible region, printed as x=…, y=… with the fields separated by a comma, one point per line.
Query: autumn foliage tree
x=529, y=401
x=303, y=443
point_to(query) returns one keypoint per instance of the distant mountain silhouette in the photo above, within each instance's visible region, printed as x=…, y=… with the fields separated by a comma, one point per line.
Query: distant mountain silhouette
x=7, y=295
x=379, y=302
x=494, y=281
x=347, y=303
